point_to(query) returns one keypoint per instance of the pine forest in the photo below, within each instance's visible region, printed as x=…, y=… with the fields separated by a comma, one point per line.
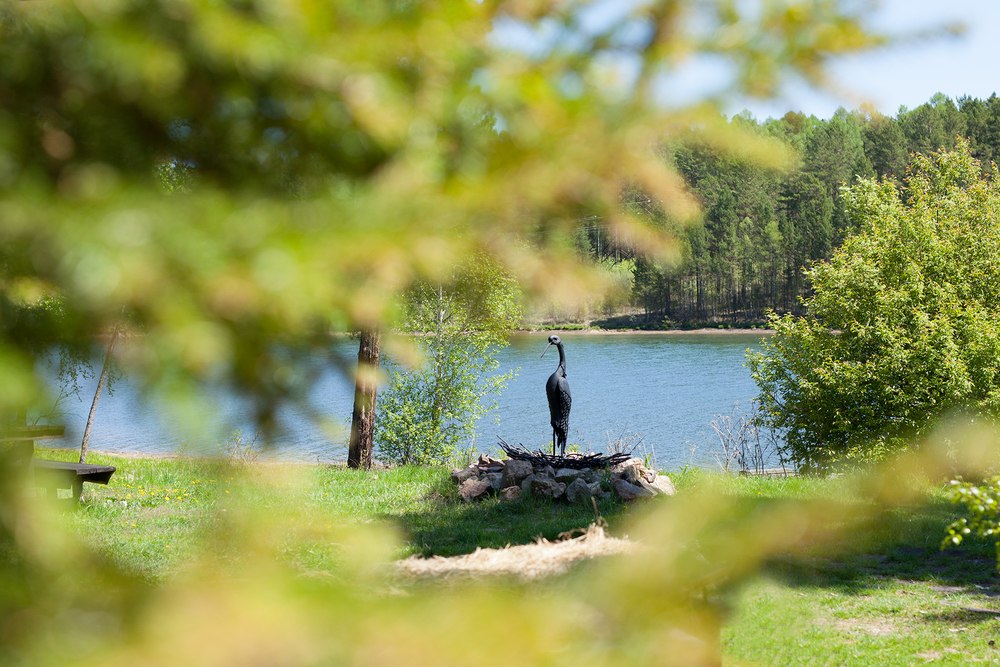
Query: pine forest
x=759, y=228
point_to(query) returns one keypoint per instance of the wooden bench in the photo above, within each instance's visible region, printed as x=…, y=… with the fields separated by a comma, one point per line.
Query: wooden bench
x=64, y=474
x=52, y=475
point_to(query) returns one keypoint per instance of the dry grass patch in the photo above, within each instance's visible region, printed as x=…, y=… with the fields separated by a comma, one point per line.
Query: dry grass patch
x=873, y=627
x=526, y=562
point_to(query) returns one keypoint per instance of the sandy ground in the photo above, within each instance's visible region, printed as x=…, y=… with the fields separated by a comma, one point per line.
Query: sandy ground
x=525, y=562
x=121, y=455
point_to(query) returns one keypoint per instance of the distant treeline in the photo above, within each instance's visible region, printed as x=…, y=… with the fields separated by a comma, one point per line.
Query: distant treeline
x=760, y=228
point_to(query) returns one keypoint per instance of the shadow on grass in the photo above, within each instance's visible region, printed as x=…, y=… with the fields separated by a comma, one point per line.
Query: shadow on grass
x=899, y=543
x=450, y=527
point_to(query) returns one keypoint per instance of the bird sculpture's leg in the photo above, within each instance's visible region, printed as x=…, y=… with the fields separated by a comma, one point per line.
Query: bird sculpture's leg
x=555, y=440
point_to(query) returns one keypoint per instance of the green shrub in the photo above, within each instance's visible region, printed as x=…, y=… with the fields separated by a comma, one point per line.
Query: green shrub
x=429, y=411
x=902, y=325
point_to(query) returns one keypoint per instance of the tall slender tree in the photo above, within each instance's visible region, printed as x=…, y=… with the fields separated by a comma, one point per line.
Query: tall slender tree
x=101, y=381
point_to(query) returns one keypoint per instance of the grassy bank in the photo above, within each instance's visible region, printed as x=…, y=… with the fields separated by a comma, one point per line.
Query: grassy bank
x=846, y=579
x=869, y=586
x=158, y=513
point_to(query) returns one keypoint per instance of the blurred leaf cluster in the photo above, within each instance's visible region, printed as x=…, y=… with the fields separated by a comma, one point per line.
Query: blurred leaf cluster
x=246, y=173
x=267, y=579
x=981, y=509
x=258, y=565
x=901, y=329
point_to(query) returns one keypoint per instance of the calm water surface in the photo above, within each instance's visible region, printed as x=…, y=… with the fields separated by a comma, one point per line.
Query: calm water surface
x=665, y=387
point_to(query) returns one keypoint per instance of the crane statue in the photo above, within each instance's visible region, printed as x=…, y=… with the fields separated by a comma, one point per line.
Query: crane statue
x=557, y=391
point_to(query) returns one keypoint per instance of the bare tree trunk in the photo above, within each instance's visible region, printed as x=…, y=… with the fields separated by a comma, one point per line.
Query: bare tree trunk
x=365, y=389
x=436, y=402
x=97, y=395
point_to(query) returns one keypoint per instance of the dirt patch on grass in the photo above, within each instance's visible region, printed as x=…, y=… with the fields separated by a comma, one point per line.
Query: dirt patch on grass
x=525, y=562
x=162, y=510
x=876, y=627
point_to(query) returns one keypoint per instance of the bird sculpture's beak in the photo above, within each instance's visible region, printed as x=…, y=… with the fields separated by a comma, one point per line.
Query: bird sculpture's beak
x=545, y=350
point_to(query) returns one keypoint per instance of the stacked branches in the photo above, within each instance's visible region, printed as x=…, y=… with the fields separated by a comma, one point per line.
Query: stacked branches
x=576, y=462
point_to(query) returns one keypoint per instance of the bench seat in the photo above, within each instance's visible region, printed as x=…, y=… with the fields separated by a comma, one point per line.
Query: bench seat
x=64, y=474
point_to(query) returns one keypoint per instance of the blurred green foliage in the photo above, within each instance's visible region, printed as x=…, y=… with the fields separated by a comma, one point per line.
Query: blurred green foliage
x=242, y=177
x=982, y=517
x=901, y=329
x=240, y=174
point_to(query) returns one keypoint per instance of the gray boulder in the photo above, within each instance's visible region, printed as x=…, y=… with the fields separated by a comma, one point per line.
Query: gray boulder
x=475, y=489
x=663, y=486
x=514, y=472
x=632, y=473
x=459, y=475
x=619, y=468
x=494, y=479
x=578, y=491
x=567, y=475
x=511, y=493
x=526, y=484
x=628, y=491
x=546, y=487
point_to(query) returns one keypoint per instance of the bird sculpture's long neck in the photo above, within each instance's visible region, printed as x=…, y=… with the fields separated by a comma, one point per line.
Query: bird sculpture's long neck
x=562, y=358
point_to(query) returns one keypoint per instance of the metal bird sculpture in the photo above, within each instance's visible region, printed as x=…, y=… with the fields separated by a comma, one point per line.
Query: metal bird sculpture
x=557, y=391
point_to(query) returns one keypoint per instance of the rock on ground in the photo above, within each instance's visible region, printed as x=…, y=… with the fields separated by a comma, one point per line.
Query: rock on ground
x=632, y=473
x=475, y=489
x=526, y=484
x=514, y=472
x=628, y=491
x=630, y=480
x=494, y=479
x=567, y=475
x=619, y=468
x=544, y=487
x=578, y=491
x=663, y=486
x=511, y=493
x=459, y=475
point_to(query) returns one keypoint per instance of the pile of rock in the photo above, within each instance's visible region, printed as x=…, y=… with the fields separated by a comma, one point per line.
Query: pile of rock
x=513, y=478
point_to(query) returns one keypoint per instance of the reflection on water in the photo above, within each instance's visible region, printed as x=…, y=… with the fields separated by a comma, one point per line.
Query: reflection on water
x=666, y=387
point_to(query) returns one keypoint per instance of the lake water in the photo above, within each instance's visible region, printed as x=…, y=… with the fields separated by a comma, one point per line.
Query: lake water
x=665, y=387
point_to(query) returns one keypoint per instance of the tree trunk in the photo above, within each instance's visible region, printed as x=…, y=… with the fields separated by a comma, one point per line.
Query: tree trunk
x=365, y=390
x=97, y=395
x=436, y=403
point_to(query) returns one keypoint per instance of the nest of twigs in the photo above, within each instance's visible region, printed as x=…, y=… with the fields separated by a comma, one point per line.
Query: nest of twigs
x=575, y=461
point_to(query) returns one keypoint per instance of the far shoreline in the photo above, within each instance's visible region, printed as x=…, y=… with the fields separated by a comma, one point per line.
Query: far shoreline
x=707, y=331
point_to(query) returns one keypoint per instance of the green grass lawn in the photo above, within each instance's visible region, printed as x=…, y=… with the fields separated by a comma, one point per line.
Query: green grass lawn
x=859, y=582
x=156, y=513
x=875, y=590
